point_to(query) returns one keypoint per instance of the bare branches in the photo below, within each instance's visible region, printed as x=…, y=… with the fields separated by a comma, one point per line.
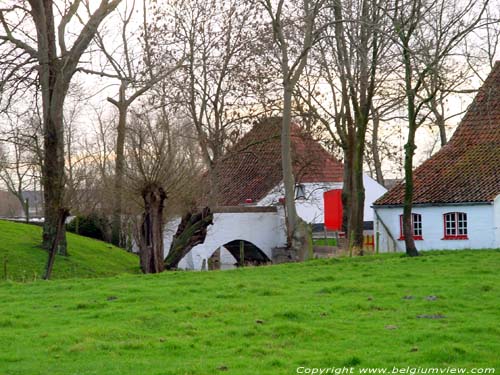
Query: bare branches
x=9, y=36
x=65, y=19
x=87, y=34
x=211, y=87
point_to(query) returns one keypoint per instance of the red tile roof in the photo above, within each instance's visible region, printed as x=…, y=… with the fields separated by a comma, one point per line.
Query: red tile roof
x=253, y=167
x=467, y=169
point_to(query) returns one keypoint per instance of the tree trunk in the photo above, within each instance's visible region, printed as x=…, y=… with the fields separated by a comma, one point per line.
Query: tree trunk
x=357, y=92
x=63, y=214
x=442, y=127
x=151, y=233
x=298, y=232
x=358, y=198
x=53, y=169
x=54, y=86
x=213, y=181
x=353, y=195
x=116, y=225
x=54, y=76
x=377, y=163
x=410, y=148
x=191, y=232
x=302, y=240
x=26, y=208
x=411, y=249
x=347, y=188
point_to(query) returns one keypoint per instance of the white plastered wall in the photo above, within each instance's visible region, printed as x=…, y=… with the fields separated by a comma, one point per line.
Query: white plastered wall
x=266, y=230
x=481, y=227
x=496, y=208
x=311, y=209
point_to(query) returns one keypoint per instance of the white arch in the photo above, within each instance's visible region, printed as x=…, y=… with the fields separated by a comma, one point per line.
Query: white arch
x=266, y=230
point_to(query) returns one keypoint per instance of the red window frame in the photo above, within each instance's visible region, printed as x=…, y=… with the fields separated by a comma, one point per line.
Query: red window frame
x=418, y=237
x=455, y=226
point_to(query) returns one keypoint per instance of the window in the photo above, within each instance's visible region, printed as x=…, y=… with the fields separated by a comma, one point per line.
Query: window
x=455, y=226
x=416, y=222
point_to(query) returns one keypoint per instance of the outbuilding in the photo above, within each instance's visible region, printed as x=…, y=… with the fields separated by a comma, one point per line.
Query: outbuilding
x=456, y=197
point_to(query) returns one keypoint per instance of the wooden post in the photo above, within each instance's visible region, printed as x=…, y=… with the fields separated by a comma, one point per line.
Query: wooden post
x=242, y=254
x=377, y=241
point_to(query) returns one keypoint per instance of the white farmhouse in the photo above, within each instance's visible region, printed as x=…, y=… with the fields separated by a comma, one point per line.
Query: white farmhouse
x=456, y=202
x=249, y=196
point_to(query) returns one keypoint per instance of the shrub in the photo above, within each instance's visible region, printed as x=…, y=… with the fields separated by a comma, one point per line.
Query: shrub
x=92, y=225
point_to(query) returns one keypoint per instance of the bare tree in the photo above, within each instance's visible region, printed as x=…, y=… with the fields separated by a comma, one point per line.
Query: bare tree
x=350, y=59
x=427, y=32
x=55, y=62
x=213, y=89
x=132, y=66
x=293, y=56
x=347, y=63
x=18, y=171
x=22, y=156
x=154, y=173
x=457, y=76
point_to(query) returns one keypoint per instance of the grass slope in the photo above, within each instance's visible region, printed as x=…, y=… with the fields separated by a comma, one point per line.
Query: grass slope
x=20, y=246
x=358, y=312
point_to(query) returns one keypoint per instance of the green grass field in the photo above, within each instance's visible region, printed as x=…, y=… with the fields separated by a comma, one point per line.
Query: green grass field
x=20, y=248
x=437, y=310
x=325, y=242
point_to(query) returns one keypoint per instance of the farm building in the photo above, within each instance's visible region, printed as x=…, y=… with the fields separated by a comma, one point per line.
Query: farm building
x=250, y=195
x=456, y=203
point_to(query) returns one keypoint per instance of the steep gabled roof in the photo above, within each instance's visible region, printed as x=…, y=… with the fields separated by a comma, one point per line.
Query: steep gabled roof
x=467, y=169
x=252, y=168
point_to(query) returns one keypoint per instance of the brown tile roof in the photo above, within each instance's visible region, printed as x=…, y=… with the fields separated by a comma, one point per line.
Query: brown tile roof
x=467, y=169
x=253, y=167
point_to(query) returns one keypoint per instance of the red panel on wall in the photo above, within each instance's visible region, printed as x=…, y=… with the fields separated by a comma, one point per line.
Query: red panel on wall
x=333, y=209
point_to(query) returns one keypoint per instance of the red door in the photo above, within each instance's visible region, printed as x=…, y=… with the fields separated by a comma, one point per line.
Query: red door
x=333, y=209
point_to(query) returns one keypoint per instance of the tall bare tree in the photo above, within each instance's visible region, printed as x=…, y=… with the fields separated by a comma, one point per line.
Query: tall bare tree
x=56, y=63
x=130, y=64
x=427, y=32
x=353, y=52
x=212, y=89
x=293, y=55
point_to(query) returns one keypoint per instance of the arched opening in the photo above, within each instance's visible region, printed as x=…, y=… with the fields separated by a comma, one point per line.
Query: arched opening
x=237, y=253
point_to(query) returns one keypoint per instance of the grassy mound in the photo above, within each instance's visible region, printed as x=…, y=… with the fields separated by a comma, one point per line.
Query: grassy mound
x=20, y=248
x=437, y=310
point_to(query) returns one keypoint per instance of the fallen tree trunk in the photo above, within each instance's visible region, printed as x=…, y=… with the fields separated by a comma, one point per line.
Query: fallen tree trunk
x=191, y=232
